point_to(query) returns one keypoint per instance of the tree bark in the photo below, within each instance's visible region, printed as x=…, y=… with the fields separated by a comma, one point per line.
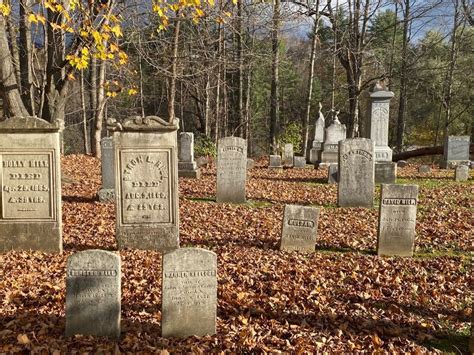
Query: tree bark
x=99, y=118
x=274, y=96
x=423, y=152
x=174, y=72
x=26, y=75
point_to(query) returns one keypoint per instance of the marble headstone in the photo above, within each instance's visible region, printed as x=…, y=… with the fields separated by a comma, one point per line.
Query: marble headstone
x=189, y=293
x=275, y=162
x=30, y=185
x=93, y=294
x=231, y=170
x=107, y=191
x=333, y=174
x=397, y=220
x=187, y=167
x=146, y=183
x=288, y=155
x=334, y=133
x=356, y=173
x=385, y=172
x=379, y=122
x=299, y=228
x=456, y=151
x=318, y=139
x=299, y=162
x=461, y=173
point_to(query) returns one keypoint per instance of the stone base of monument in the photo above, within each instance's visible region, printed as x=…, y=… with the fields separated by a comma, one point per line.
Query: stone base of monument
x=188, y=170
x=329, y=157
x=383, y=153
x=299, y=162
x=451, y=164
x=385, y=172
x=106, y=195
x=314, y=155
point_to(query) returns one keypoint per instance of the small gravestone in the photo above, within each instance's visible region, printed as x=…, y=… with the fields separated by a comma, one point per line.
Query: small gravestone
x=402, y=163
x=461, y=173
x=189, y=293
x=299, y=228
x=397, y=220
x=187, y=167
x=250, y=164
x=356, y=173
x=385, y=172
x=334, y=134
x=275, y=162
x=333, y=174
x=93, y=294
x=300, y=162
x=424, y=169
x=146, y=183
x=318, y=140
x=30, y=185
x=456, y=151
x=288, y=155
x=107, y=191
x=202, y=161
x=231, y=170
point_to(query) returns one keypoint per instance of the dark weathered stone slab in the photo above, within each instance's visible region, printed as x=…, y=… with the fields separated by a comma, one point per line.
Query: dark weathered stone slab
x=231, y=170
x=385, y=172
x=397, y=220
x=30, y=185
x=333, y=174
x=146, y=184
x=299, y=162
x=456, y=151
x=107, y=191
x=356, y=173
x=189, y=287
x=424, y=169
x=299, y=228
x=93, y=294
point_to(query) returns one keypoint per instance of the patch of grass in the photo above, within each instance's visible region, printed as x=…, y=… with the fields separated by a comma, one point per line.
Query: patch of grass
x=432, y=254
x=249, y=203
x=329, y=205
x=202, y=199
x=332, y=250
x=451, y=343
x=427, y=183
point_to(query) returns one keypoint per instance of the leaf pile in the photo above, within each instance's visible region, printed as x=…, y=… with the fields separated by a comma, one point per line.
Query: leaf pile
x=340, y=298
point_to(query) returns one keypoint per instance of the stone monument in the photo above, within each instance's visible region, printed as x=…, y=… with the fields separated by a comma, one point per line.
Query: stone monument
x=30, y=185
x=299, y=162
x=187, y=167
x=107, y=191
x=318, y=140
x=356, y=173
x=146, y=183
x=299, y=228
x=334, y=133
x=288, y=155
x=461, y=173
x=397, y=220
x=275, y=162
x=231, y=170
x=456, y=151
x=189, y=293
x=93, y=294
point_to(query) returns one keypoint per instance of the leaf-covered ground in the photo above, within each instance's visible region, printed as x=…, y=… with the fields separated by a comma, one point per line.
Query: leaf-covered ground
x=340, y=298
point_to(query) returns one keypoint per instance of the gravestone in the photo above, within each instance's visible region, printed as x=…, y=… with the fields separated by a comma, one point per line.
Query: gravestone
x=424, y=169
x=107, y=191
x=250, y=164
x=299, y=228
x=397, y=220
x=402, y=163
x=356, y=173
x=288, y=155
x=93, y=294
x=385, y=172
x=189, y=287
x=318, y=140
x=275, y=162
x=299, y=162
x=30, y=185
x=461, y=173
x=377, y=126
x=456, y=151
x=231, y=170
x=187, y=167
x=334, y=133
x=146, y=183
x=333, y=174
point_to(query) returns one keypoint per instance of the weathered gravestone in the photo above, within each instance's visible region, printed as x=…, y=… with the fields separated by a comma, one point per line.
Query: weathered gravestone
x=456, y=151
x=93, y=294
x=424, y=169
x=250, y=164
x=189, y=293
x=299, y=228
x=30, y=185
x=299, y=162
x=397, y=220
x=187, y=167
x=356, y=173
x=333, y=174
x=107, y=191
x=402, y=163
x=231, y=170
x=385, y=172
x=275, y=162
x=288, y=155
x=461, y=173
x=334, y=133
x=146, y=183
x=318, y=140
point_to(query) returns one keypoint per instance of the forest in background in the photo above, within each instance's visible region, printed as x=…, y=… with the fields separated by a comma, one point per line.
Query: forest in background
x=252, y=69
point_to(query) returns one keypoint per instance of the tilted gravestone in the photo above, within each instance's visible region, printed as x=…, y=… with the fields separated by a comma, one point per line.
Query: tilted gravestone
x=146, y=183
x=456, y=151
x=187, y=167
x=299, y=162
x=356, y=173
x=461, y=173
x=318, y=140
x=334, y=134
x=397, y=220
x=30, y=185
x=333, y=174
x=189, y=293
x=231, y=170
x=107, y=191
x=424, y=169
x=299, y=228
x=288, y=155
x=93, y=294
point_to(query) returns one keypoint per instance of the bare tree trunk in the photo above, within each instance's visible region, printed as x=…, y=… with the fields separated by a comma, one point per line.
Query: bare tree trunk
x=12, y=39
x=174, y=72
x=220, y=46
x=85, y=132
x=99, y=118
x=240, y=70
x=247, y=111
x=93, y=102
x=207, y=106
x=26, y=75
x=142, y=105
x=274, y=97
